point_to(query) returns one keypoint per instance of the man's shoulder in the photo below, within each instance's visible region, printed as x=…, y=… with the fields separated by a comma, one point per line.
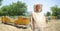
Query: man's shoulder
x=42, y=13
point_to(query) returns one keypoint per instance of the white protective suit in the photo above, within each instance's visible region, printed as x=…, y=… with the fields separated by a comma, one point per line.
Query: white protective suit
x=40, y=20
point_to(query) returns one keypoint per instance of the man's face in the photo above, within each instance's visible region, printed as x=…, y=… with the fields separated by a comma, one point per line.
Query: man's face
x=38, y=7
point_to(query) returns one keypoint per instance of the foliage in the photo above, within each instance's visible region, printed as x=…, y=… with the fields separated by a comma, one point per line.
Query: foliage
x=55, y=11
x=14, y=9
x=48, y=14
x=0, y=2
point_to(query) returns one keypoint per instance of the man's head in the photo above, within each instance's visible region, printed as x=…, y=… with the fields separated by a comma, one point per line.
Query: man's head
x=38, y=7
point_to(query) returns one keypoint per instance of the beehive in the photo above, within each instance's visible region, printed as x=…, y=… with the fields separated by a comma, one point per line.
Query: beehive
x=4, y=19
x=22, y=21
x=25, y=21
x=52, y=17
x=8, y=20
x=18, y=21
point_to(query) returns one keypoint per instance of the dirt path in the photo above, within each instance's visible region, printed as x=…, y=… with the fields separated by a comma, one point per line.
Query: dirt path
x=4, y=27
x=52, y=26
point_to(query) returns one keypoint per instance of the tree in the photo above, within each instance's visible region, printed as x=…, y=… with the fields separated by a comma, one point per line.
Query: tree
x=15, y=9
x=0, y=2
x=48, y=14
x=55, y=11
x=18, y=8
x=4, y=10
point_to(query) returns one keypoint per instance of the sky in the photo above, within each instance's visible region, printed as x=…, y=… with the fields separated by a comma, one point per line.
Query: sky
x=47, y=4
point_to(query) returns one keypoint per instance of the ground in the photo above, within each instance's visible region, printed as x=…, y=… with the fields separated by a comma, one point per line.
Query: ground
x=52, y=26
x=4, y=27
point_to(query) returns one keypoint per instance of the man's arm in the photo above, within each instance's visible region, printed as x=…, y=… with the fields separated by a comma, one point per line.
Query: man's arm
x=32, y=22
x=46, y=19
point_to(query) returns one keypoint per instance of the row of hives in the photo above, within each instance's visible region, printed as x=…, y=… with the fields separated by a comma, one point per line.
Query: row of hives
x=19, y=21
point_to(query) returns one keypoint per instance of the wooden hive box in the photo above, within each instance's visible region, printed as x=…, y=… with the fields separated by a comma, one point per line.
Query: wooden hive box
x=8, y=20
x=4, y=19
x=18, y=21
x=22, y=21
x=25, y=21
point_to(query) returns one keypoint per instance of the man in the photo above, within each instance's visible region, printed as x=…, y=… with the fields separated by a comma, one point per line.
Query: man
x=38, y=18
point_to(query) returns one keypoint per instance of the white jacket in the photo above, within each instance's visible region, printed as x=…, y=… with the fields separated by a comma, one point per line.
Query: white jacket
x=39, y=18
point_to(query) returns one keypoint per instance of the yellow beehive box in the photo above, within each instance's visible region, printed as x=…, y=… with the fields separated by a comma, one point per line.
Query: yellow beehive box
x=25, y=21
x=8, y=20
x=18, y=21
x=3, y=19
x=22, y=21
